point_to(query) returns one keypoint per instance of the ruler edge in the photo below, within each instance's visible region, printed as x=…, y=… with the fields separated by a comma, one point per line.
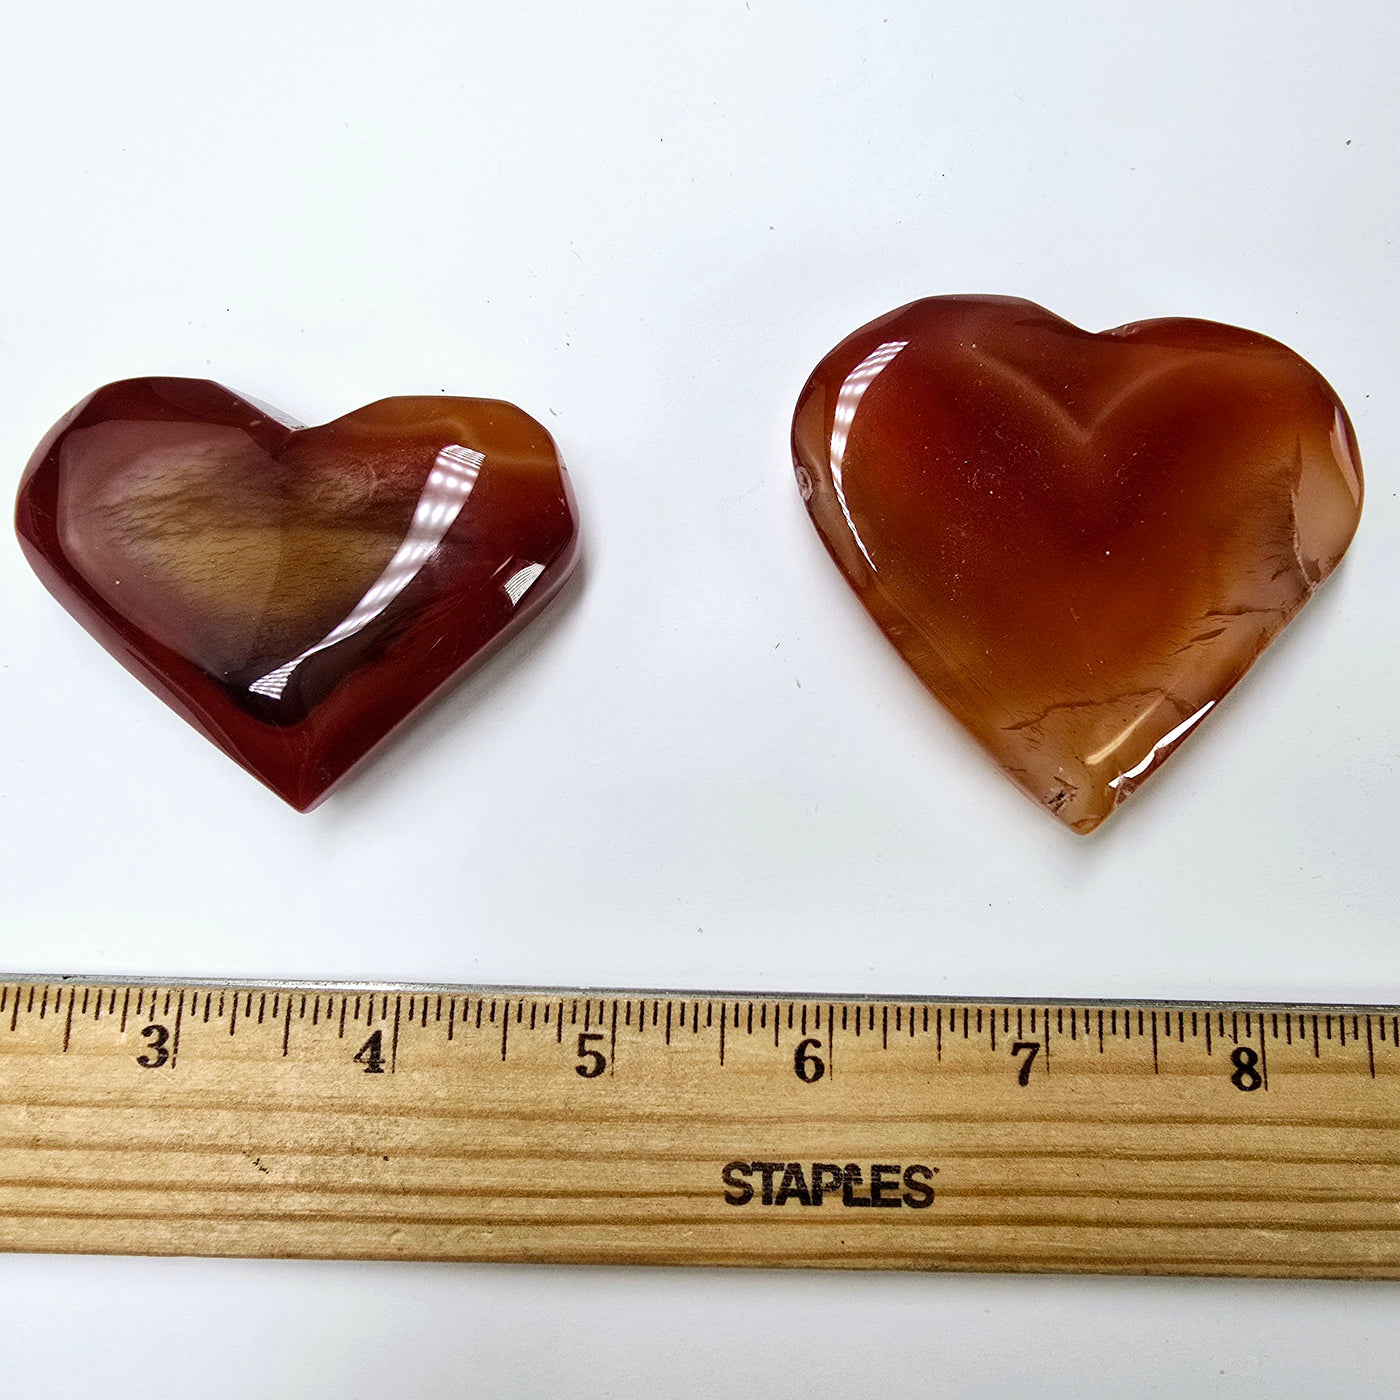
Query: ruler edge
x=509, y=991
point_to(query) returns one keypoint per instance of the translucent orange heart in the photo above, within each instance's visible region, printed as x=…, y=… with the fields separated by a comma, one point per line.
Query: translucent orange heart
x=1080, y=542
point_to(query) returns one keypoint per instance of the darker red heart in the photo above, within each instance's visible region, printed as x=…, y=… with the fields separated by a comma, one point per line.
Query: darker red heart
x=296, y=593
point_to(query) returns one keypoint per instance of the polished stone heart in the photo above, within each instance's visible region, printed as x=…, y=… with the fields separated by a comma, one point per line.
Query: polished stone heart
x=294, y=592
x=1078, y=541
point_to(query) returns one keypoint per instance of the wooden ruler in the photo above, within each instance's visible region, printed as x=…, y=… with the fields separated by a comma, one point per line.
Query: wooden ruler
x=631, y=1127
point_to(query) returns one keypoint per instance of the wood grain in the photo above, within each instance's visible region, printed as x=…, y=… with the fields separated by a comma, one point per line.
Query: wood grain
x=1145, y=1138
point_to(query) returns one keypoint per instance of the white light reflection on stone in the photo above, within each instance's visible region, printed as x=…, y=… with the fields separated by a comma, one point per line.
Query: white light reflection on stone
x=1164, y=742
x=521, y=581
x=852, y=387
x=444, y=494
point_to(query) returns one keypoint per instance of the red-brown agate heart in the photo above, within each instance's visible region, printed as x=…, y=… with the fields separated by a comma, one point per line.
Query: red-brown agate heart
x=295, y=592
x=1079, y=542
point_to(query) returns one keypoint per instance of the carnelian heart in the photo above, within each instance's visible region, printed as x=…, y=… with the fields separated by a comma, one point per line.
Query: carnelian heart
x=1079, y=542
x=295, y=592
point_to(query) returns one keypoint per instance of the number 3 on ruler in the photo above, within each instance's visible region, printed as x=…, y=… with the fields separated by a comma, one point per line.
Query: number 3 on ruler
x=158, y=1054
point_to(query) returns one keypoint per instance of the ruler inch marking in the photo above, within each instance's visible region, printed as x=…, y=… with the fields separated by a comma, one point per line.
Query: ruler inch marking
x=179, y=1021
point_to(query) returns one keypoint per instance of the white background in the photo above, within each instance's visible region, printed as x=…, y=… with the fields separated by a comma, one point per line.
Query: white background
x=704, y=767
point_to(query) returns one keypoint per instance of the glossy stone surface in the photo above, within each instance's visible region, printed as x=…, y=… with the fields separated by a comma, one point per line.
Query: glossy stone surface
x=1078, y=541
x=295, y=592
